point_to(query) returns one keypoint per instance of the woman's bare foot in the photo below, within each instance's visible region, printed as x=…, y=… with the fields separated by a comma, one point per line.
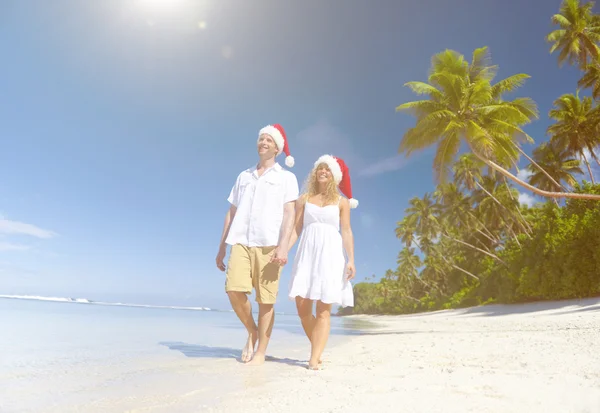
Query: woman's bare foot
x=248, y=351
x=314, y=367
x=257, y=360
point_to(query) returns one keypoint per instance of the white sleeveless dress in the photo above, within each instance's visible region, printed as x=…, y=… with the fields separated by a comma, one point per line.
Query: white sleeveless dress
x=319, y=269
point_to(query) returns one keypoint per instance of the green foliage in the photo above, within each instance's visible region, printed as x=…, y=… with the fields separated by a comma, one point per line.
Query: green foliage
x=560, y=260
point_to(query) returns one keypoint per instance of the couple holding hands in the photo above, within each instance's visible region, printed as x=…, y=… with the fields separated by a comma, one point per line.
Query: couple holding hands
x=267, y=215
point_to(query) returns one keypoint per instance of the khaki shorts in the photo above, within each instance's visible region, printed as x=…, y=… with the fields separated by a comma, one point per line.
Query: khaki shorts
x=250, y=267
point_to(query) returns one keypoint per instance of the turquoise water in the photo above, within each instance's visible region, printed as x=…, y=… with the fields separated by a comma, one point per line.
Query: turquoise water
x=59, y=356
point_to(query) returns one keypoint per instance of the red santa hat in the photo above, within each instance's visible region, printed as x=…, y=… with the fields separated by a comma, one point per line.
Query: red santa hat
x=341, y=175
x=276, y=132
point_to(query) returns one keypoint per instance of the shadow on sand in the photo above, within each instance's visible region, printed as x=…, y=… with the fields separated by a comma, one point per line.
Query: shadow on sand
x=201, y=351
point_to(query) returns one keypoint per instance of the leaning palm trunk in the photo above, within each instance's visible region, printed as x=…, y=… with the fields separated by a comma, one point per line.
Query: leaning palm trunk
x=524, y=224
x=492, y=240
x=491, y=237
x=541, y=169
x=531, y=187
x=412, y=298
x=512, y=232
x=456, y=267
x=518, y=209
x=587, y=163
x=474, y=247
x=516, y=239
x=431, y=286
x=480, y=242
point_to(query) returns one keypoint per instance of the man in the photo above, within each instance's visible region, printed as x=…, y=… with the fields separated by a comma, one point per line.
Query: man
x=258, y=227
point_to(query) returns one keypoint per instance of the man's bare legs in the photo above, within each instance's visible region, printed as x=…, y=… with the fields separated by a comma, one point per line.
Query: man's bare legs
x=320, y=334
x=266, y=320
x=243, y=309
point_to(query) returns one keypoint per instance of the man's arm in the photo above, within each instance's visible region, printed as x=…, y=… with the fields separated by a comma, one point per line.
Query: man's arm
x=227, y=224
x=233, y=200
x=289, y=216
x=222, y=245
x=287, y=224
x=298, y=223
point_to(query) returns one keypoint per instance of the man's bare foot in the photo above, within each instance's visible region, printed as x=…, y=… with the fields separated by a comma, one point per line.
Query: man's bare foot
x=248, y=351
x=257, y=360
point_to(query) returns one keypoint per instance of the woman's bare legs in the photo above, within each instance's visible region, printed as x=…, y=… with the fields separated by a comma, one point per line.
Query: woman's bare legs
x=305, y=307
x=308, y=320
x=320, y=334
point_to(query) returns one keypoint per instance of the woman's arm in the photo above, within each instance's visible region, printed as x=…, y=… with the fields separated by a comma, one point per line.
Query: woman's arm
x=347, y=237
x=298, y=223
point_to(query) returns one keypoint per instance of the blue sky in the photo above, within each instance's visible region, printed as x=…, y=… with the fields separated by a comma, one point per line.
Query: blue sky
x=124, y=124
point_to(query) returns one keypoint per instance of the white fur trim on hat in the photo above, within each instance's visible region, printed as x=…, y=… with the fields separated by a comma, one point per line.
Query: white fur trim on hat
x=353, y=203
x=333, y=165
x=275, y=134
x=289, y=161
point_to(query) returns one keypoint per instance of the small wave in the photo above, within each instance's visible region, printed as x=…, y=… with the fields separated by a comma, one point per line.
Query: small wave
x=87, y=301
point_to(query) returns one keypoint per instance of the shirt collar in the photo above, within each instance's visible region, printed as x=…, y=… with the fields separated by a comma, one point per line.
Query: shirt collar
x=276, y=167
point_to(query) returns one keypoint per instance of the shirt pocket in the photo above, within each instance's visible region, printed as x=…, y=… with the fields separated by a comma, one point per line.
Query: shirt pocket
x=242, y=189
x=274, y=193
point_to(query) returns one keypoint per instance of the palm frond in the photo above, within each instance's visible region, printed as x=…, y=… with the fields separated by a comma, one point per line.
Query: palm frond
x=445, y=154
x=509, y=84
x=422, y=88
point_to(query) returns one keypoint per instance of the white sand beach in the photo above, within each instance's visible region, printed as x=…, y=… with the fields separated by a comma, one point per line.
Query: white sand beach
x=541, y=357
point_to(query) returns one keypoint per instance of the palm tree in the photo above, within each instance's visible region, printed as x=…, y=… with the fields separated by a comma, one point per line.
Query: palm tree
x=426, y=215
x=467, y=173
x=408, y=268
x=423, y=213
x=464, y=105
x=456, y=208
x=406, y=231
x=574, y=129
x=579, y=33
x=498, y=207
x=558, y=162
x=591, y=79
x=408, y=262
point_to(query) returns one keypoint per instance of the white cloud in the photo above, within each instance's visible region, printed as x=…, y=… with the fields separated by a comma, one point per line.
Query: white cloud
x=7, y=246
x=524, y=174
x=526, y=199
x=20, y=228
x=383, y=166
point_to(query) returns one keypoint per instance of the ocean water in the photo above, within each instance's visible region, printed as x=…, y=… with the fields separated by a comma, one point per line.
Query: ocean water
x=64, y=356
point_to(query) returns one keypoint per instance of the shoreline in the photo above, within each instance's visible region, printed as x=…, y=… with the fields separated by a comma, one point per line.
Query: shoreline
x=71, y=358
x=540, y=303
x=536, y=357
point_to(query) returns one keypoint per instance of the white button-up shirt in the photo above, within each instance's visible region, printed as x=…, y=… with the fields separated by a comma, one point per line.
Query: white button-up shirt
x=260, y=203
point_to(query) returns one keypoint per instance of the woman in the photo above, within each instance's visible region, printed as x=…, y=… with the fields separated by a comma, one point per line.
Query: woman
x=320, y=271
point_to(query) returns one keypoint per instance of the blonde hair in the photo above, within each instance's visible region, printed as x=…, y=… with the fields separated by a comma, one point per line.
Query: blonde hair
x=311, y=187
